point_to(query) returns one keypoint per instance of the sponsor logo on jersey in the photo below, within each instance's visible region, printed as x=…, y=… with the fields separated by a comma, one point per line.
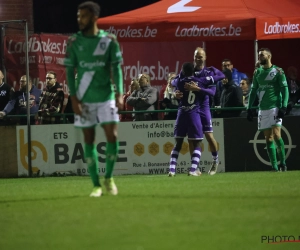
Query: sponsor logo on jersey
x=267, y=86
x=91, y=65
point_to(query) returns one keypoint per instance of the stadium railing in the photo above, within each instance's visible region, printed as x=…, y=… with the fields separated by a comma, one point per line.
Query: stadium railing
x=64, y=116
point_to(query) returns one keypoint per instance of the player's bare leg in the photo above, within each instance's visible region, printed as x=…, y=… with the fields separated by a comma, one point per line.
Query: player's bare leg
x=214, y=151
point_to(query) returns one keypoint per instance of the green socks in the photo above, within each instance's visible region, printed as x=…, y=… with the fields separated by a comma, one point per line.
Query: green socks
x=281, y=151
x=112, y=150
x=272, y=154
x=92, y=163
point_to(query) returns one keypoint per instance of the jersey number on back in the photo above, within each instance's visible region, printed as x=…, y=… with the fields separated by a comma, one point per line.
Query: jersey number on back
x=191, y=97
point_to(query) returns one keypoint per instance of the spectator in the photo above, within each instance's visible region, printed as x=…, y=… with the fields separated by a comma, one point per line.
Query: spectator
x=296, y=100
x=134, y=85
x=5, y=92
x=144, y=98
x=51, y=101
x=236, y=75
x=245, y=85
x=163, y=88
x=231, y=96
x=169, y=101
x=293, y=86
x=18, y=102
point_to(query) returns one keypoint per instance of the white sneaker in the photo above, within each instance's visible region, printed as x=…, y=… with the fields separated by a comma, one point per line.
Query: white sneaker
x=97, y=192
x=110, y=186
x=195, y=173
x=171, y=174
x=214, y=168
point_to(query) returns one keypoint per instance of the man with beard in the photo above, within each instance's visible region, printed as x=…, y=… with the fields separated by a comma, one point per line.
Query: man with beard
x=51, y=102
x=270, y=83
x=214, y=75
x=188, y=122
x=96, y=56
x=18, y=101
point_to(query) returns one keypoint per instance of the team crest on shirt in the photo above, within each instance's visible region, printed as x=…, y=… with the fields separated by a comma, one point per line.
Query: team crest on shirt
x=271, y=74
x=103, y=45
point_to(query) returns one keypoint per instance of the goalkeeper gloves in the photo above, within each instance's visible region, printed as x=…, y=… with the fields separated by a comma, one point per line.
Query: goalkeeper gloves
x=281, y=112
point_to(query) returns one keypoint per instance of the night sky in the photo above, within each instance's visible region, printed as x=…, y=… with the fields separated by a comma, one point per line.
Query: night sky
x=59, y=16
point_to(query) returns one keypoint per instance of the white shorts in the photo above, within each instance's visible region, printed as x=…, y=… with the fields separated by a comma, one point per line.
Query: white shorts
x=94, y=113
x=267, y=119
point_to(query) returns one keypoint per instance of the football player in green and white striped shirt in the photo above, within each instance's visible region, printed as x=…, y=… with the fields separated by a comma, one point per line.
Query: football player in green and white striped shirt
x=96, y=56
x=270, y=84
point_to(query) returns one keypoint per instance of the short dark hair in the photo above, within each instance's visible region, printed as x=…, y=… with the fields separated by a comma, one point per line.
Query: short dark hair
x=247, y=80
x=29, y=79
x=188, y=69
x=226, y=60
x=265, y=49
x=91, y=6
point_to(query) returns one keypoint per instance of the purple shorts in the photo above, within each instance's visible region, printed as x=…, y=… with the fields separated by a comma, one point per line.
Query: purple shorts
x=205, y=118
x=188, y=124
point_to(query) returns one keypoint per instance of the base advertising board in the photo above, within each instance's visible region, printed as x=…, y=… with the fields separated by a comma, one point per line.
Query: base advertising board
x=145, y=148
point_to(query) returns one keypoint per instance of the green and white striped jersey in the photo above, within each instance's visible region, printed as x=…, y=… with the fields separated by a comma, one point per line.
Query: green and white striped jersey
x=93, y=57
x=268, y=83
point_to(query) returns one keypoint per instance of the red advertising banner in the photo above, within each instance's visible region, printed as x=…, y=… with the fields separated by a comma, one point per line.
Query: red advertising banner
x=275, y=28
x=156, y=59
x=46, y=53
x=214, y=20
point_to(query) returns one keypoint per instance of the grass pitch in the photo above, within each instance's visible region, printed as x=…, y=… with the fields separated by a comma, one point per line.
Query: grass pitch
x=225, y=211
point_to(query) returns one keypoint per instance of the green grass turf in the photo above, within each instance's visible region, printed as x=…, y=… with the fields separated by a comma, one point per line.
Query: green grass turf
x=225, y=211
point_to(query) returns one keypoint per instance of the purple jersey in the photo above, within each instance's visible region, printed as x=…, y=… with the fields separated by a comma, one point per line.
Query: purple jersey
x=205, y=114
x=188, y=122
x=191, y=100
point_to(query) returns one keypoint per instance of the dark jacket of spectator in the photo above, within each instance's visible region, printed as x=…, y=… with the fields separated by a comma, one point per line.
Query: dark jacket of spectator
x=51, y=103
x=146, y=98
x=6, y=91
x=231, y=96
x=18, y=104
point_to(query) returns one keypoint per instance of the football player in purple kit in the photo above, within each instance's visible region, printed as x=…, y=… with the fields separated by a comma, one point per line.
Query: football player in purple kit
x=188, y=122
x=209, y=89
